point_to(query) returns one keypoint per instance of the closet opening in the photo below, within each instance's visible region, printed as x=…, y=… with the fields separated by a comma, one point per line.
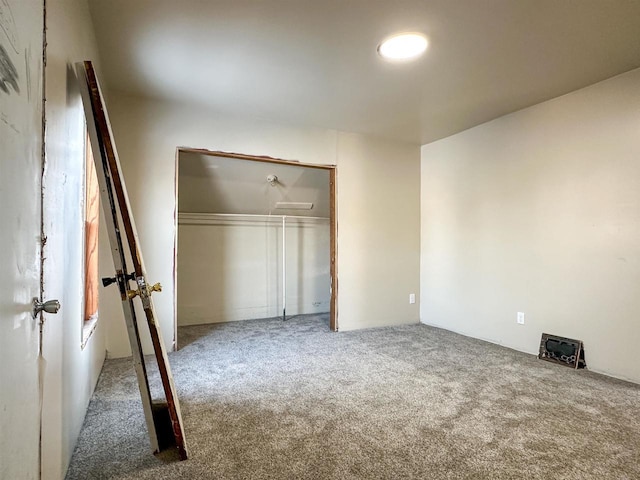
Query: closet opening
x=255, y=238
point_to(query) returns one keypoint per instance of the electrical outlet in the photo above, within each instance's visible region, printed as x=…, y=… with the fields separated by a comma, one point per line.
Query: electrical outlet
x=520, y=318
x=412, y=298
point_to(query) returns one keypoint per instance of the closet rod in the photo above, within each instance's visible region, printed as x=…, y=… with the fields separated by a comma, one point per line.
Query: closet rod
x=252, y=215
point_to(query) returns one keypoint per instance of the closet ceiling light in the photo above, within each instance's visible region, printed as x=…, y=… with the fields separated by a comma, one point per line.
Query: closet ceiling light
x=294, y=205
x=404, y=46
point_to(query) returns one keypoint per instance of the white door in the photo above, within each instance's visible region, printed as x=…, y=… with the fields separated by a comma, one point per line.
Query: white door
x=21, y=26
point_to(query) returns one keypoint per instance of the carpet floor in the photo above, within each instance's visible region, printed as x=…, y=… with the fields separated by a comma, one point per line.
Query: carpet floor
x=292, y=400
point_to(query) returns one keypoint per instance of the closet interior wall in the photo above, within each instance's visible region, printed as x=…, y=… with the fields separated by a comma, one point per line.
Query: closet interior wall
x=233, y=263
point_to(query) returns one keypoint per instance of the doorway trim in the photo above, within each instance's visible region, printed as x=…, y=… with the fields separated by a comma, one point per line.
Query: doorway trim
x=333, y=224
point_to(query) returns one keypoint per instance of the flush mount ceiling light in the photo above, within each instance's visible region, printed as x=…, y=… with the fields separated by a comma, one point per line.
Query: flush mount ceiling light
x=404, y=46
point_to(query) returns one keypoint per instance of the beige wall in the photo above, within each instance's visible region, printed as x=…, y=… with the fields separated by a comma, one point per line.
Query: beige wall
x=378, y=249
x=230, y=268
x=378, y=202
x=539, y=212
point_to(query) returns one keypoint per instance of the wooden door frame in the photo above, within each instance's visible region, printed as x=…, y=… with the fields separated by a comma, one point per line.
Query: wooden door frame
x=333, y=223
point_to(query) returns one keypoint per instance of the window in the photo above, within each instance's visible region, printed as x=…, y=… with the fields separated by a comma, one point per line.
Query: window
x=91, y=224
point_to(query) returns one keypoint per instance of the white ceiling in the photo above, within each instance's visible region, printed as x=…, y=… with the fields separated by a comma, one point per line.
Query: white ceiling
x=218, y=184
x=314, y=62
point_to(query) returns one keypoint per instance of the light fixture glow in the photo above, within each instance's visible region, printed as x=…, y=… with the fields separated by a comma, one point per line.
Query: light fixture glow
x=404, y=46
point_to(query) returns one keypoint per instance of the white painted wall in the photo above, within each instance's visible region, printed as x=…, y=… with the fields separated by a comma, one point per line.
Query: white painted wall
x=539, y=212
x=230, y=268
x=69, y=372
x=378, y=202
x=21, y=23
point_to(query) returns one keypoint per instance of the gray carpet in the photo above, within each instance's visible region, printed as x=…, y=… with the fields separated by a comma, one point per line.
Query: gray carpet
x=267, y=399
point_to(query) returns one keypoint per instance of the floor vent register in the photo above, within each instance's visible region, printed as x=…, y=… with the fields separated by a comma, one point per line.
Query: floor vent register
x=565, y=351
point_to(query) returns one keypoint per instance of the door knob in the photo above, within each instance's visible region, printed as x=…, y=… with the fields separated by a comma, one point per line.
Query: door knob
x=51, y=306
